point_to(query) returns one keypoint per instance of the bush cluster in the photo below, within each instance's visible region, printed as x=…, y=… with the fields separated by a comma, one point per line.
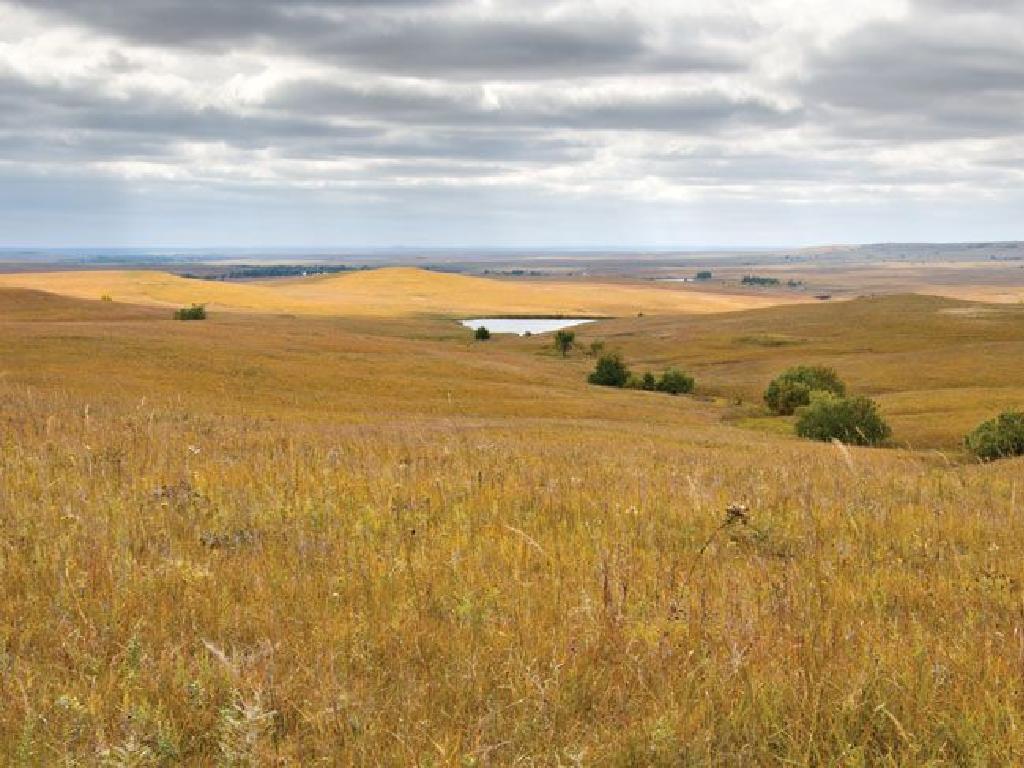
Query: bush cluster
x=481, y=334
x=851, y=420
x=195, y=312
x=793, y=388
x=998, y=438
x=674, y=382
x=611, y=371
x=818, y=396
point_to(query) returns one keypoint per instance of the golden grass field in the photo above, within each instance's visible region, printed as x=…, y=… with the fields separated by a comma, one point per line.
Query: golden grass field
x=391, y=292
x=368, y=540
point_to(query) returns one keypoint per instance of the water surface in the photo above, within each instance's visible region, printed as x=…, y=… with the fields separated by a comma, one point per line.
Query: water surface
x=523, y=325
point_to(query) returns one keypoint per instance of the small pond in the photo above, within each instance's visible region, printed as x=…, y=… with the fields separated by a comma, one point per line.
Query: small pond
x=524, y=325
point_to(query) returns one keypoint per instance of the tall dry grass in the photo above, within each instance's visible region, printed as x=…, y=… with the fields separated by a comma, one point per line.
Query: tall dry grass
x=270, y=541
x=186, y=588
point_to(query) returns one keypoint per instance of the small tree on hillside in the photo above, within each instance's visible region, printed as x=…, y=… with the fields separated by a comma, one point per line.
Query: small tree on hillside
x=853, y=420
x=793, y=389
x=481, y=334
x=998, y=438
x=564, y=341
x=610, y=371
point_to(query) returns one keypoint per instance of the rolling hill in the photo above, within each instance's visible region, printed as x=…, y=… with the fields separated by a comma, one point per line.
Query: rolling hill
x=393, y=292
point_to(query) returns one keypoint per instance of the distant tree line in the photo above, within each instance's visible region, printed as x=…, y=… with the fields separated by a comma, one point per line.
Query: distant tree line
x=758, y=280
x=269, y=270
x=515, y=272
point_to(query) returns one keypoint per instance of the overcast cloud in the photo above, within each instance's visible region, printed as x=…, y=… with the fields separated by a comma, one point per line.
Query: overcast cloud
x=510, y=122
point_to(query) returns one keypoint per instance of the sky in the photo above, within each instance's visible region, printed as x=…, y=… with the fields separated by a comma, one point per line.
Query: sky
x=510, y=123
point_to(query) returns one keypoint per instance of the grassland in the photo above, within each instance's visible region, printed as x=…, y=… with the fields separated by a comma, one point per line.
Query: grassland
x=393, y=292
x=963, y=278
x=267, y=540
x=936, y=366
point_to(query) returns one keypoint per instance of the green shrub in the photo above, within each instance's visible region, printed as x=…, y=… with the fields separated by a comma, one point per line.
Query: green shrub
x=675, y=382
x=853, y=420
x=793, y=388
x=704, y=275
x=784, y=397
x=195, y=312
x=481, y=334
x=610, y=371
x=998, y=438
x=647, y=382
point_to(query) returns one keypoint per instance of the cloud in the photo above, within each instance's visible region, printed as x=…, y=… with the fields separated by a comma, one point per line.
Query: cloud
x=179, y=23
x=407, y=37
x=605, y=108
x=395, y=110
x=934, y=75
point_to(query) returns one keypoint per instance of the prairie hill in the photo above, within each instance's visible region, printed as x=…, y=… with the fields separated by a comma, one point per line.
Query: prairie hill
x=393, y=292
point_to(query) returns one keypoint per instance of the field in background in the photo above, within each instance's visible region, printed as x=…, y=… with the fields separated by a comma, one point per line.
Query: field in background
x=370, y=540
x=999, y=282
x=392, y=292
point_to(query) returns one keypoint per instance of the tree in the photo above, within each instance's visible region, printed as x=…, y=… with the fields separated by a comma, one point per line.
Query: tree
x=703, y=275
x=853, y=420
x=998, y=438
x=793, y=388
x=675, y=382
x=564, y=341
x=610, y=371
x=481, y=334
